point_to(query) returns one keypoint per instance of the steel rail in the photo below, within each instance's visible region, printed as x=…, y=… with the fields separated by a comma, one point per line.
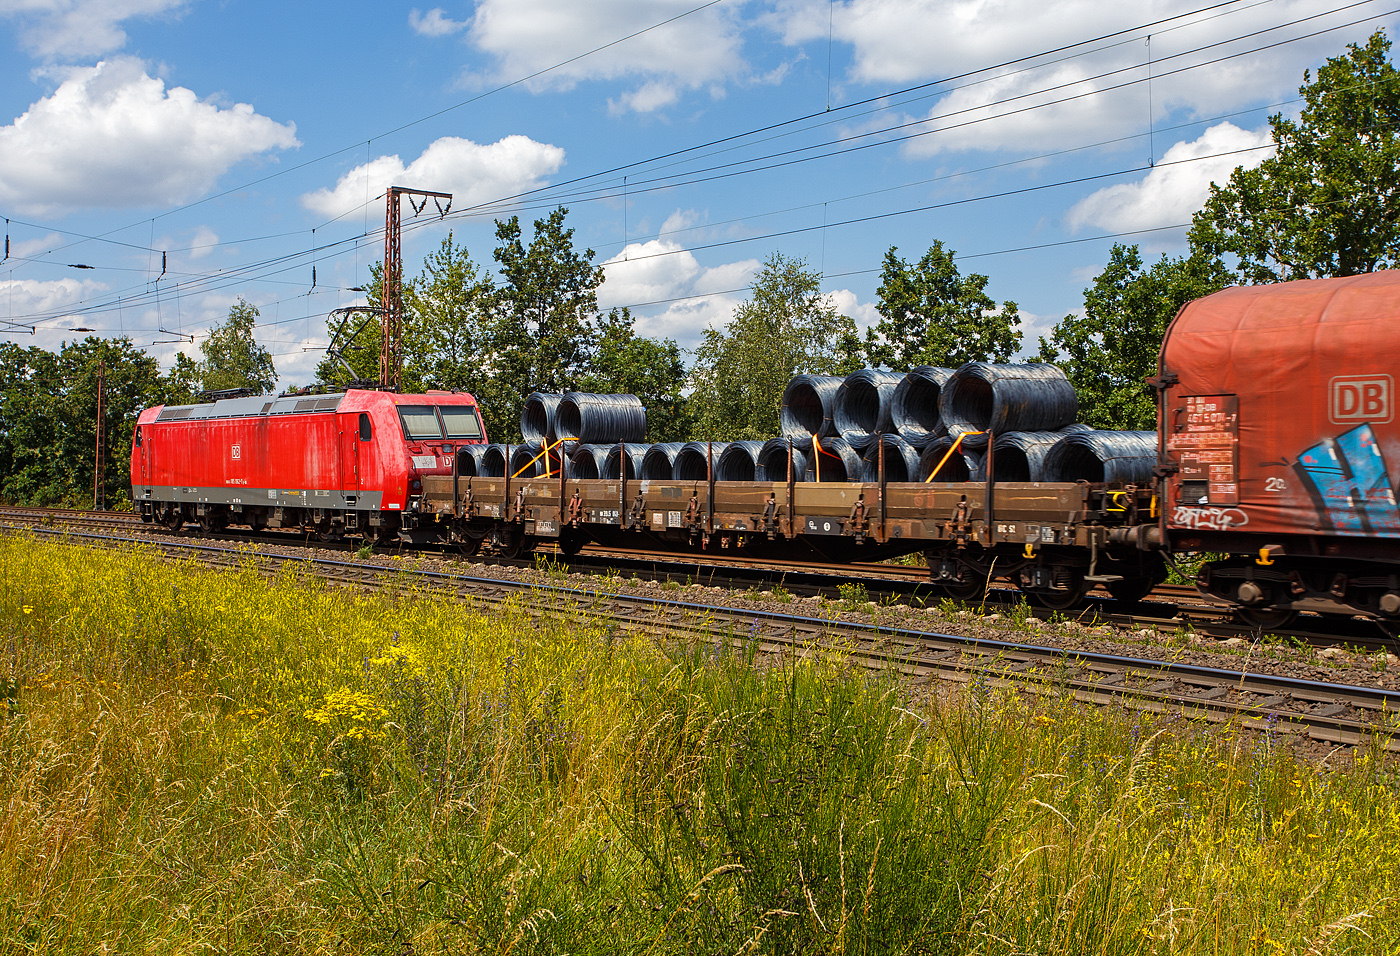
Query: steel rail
x=1344, y=714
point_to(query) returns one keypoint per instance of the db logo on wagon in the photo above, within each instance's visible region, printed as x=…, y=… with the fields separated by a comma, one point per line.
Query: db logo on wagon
x=1360, y=398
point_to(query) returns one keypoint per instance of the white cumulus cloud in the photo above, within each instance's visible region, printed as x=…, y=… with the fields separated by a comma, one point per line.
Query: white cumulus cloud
x=434, y=23
x=1177, y=187
x=662, y=269
x=113, y=136
x=472, y=172
x=899, y=42
x=526, y=36
x=75, y=28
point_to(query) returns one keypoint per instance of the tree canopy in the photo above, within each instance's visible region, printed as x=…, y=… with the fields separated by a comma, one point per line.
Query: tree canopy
x=1327, y=203
x=930, y=314
x=1110, y=350
x=787, y=326
x=232, y=356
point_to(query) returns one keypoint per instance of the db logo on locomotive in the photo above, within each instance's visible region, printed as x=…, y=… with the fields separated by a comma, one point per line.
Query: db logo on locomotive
x=1360, y=398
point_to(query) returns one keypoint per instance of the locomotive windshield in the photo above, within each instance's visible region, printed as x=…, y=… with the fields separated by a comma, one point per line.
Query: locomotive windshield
x=461, y=421
x=420, y=422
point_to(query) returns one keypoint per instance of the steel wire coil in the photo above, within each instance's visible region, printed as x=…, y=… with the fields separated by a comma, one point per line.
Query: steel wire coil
x=739, y=461
x=1020, y=456
x=862, y=405
x=832, y=459
x=914, y=410
x=1094, y=456
x=773, y=461
x=587, y=461
x=469, y=460
x=529, y=461
x=693, y=460
x=901, y=460
x=973, y=438
x=592, y=418
x=962, y=465
x=1007, y=398
x=613, y=463
x=493, y=462
x=660, y=460
x=809, y=407
x=537, y=417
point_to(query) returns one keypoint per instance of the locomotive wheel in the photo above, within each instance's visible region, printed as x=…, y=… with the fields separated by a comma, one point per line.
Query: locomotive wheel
x=1068, y=591
x=174, y=520
x=1266, y=618
x=209, y=523
x=1131, y=590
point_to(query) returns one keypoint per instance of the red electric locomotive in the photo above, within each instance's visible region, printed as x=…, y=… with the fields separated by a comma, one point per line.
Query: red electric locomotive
x=333, y=463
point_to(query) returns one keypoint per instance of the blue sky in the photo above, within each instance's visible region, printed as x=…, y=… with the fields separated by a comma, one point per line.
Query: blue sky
x=222, y=134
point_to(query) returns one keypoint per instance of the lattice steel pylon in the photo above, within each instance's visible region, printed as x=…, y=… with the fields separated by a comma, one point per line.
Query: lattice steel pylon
x=391, y=343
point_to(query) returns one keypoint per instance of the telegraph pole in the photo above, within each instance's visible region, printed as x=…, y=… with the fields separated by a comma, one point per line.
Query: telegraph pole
x=391, y=342
x=99, y=490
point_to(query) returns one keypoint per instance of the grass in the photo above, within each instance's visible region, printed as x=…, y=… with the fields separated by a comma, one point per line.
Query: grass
x=227, y=762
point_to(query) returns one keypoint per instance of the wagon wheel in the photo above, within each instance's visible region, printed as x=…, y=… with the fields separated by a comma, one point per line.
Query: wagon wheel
x=571, y=543
x=1131, y=590
x=467, y=545
x=515, y=543
x=972, y=587
x=1266, y=618
x=1068, y=590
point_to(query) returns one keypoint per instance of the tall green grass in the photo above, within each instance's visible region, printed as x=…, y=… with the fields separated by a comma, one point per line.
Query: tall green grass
x=228, y=762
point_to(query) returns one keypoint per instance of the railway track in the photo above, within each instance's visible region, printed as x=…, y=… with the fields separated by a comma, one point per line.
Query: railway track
x=1333, y=713
x=1169, y=609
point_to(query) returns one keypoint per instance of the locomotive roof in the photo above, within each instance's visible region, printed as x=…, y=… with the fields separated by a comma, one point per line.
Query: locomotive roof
x=248, y=407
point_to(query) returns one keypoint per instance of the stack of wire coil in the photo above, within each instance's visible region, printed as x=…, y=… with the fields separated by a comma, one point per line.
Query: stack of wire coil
x=694, y=459
x=901, y=460
x=861, y=407
x=659, y=462
x=537, y=417
x=773, y=461
x=595, y=419
x=914, y=410
x=588, y=461
x=833, y=460
x=739, y=461
x=982, y=397
x=614, y=463
x=1094, y=456
x=808, y=408
x=959, y=465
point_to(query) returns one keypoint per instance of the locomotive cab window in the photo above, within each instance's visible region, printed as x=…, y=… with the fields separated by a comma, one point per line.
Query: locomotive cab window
x=420, y=422
x=461, y=421
x=366, y=433
x=137, y=440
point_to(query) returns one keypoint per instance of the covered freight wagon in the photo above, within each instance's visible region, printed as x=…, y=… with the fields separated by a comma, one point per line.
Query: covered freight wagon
x=1279, y=441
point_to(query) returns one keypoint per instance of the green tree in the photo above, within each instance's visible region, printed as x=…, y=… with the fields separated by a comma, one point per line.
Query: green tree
x=652, y=370
x=544, y=318
x=932, y=315
x=1327, y=203
x=786, y=327
x=1110, y=350
x=446, y=313
x=48, y=418
x=232, y=356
